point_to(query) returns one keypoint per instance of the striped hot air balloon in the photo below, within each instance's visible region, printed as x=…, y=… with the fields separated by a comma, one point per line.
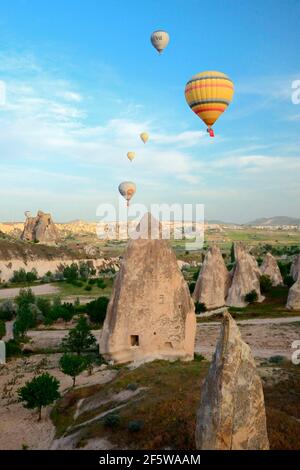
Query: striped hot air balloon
x=208, y=94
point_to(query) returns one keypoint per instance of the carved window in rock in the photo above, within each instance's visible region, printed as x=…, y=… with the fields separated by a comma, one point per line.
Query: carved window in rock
x=162, y=299
x=134, y=340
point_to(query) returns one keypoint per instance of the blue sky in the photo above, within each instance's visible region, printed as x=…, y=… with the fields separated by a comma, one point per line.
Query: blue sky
x=82, y=81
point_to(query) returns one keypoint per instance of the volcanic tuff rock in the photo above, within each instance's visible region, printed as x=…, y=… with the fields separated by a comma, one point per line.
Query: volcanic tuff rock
x=293, y=301
x=40, y=229
x=270, y=268
x=213, y=280
x=295, y=268
x=151, y=314
x=245, y=278
x=232, y=414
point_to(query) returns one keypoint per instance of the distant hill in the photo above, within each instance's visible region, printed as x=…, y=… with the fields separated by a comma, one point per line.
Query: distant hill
x=277, y=220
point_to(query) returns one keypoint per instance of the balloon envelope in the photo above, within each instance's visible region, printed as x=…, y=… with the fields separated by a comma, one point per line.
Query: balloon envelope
x=208, y=94
x=131, y=155
x=127, y=190
x=160, y=39
x=144, y=136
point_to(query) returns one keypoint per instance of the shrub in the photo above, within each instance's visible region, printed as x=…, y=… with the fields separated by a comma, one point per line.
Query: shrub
x=198, y=357
x=88, y=288
x=97, y=309
x=265, y=283
x=40, y=391
x=7, y=310
x=276, y=359
x=22, y=276
x=2, y=329
x=13, y=348
x=26, y=319
x=251, y=297
x=44, y=306
x=133, y=387
x=196, y=274
x=25, y=297
x=112, y=420
x=136, y=425
x=101, y=284
x=200, y=307
x=288, y=280
x=192, y=286
x=71, y=272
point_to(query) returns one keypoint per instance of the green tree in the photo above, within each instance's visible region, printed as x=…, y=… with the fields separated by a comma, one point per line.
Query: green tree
x=2, y=329
x=79, y=339
x=265, y=283
x=232, y=255
x=251, y=297
x=71, y=273
x=40, y=391
x=96, y=309
x=7, y=310
x=26, y=319
x=25, y=297
x=73, y=365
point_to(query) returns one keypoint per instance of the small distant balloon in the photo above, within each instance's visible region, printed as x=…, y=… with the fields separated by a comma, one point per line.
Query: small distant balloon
x=127, y=189
x=27, y=214
x=144, y=136
x=131, y=155
x=160, y=39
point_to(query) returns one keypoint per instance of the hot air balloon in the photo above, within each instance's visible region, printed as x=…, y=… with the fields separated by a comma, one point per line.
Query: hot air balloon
x=144, y=136
x=127, y=190
x=208, y=94
x=131, y=155
x=160, y=39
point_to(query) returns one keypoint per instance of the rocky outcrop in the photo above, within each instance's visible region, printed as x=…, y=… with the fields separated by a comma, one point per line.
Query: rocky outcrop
x=40, y=229
x=245, y=278
x=232, y=414
x=213, y=280
x=151, y=314
x=295, y=268
x=270, y=268
x=293, y=301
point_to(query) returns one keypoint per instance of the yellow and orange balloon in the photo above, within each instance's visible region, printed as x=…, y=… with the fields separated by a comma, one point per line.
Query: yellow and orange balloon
x=208, y=94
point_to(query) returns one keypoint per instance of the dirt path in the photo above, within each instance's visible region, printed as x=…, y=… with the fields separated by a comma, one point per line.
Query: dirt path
x=43, y=289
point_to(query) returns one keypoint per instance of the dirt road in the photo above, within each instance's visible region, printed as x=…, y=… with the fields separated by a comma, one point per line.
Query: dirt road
x=43, y=289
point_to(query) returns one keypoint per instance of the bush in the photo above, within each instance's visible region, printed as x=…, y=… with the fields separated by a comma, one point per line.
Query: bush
x=132, y=387
x=2, y=329
x=22, y=276
x=276, y=359
x=88, y=288
x=192, y=286
x=101, y=284
x=200, y=307
x=136, y=425
x=13, y=348
x=251, y=297
x=44, y=305
x=112, y=420
x=97, y=309
x=71, y=272
x=7, y=310
x=288, y=280
x=25, y=297
x=265, y=283
x=26, y=319
x=196, y=274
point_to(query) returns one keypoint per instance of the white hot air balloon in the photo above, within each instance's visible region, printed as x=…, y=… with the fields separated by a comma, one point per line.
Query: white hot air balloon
x=160, y=39
x=127, y=189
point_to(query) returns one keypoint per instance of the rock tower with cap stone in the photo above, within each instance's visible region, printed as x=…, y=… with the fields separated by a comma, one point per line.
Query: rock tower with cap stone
x=151, y=314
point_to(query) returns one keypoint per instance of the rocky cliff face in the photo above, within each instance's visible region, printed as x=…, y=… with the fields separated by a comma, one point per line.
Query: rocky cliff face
x=213, y=280
x=293, y=301
x=245, y=278
x=40, y=229
x=295, y=268
x=151, y=313
x=270, y=268
x=232, y=414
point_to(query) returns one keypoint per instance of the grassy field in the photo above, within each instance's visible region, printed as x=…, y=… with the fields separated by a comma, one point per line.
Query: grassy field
x=66, y=289
x=166, y=407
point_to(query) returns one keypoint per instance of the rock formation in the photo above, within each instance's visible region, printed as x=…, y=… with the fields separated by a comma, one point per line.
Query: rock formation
x=245, y=278
x=213, y=280
x=40, y=229
x=295, y=268
x=270, y=268
x=232, y=414
x=151, y=314
x=293, y=301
